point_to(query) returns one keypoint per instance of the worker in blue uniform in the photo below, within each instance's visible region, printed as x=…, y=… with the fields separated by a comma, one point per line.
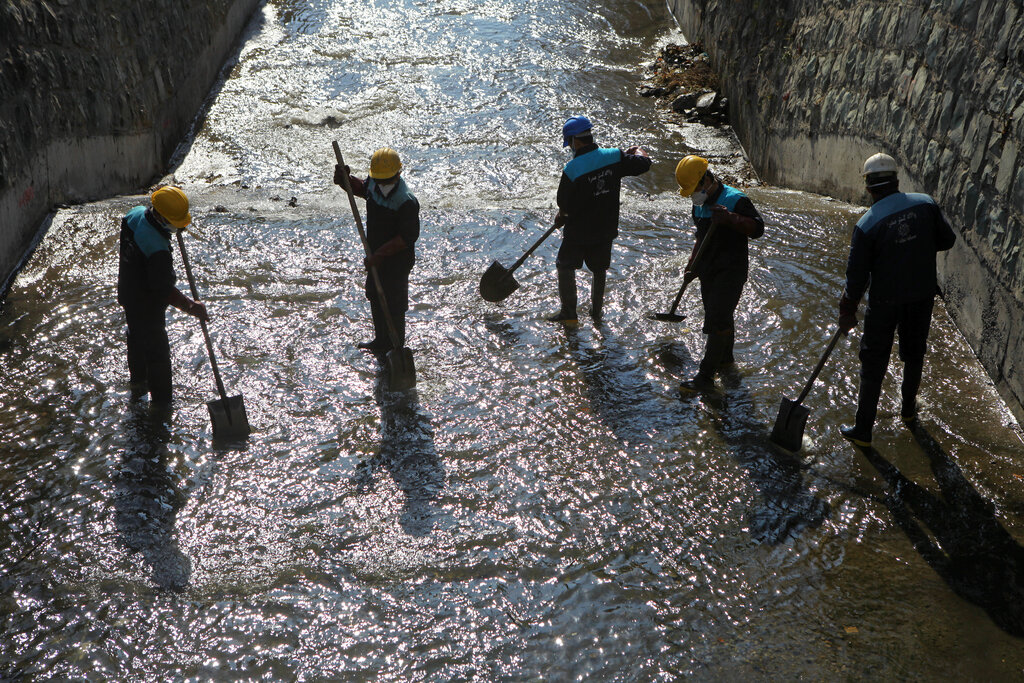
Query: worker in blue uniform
x=588, y=211
x=146, y=286
x=392, y=228
x=723, y=266
x=893, y=257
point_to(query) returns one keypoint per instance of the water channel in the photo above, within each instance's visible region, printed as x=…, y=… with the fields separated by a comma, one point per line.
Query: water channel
x=543, y=506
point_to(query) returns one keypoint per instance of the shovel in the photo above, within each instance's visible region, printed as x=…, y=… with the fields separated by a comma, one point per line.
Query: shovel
x=497, y=282
x=672, y=316
x=227, y=414
x=401, y=368
x=788, y=431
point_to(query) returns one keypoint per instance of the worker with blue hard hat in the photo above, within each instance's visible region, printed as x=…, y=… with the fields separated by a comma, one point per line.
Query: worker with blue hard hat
x=588, y=211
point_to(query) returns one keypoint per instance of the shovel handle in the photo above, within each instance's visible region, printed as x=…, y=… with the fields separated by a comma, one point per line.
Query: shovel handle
x=206, y=330
x=531, y=249
x=821, y=364
x=696, y=259
x=392, y=332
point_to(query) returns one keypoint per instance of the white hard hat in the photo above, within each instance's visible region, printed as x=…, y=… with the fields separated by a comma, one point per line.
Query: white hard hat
x=880, y=163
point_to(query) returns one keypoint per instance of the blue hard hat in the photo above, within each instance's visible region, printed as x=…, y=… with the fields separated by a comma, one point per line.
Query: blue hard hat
x=575, y=125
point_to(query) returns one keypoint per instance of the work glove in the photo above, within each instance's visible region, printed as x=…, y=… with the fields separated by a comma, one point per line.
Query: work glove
x=559, y=219
x=636, y=150
x=340, y=173
x=847, y=313
x=198, y=309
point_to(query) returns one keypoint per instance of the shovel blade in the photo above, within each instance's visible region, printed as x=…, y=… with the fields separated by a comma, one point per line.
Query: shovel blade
x=788, y=431
x=401, y=369
x=497, y=283
x=666, y=317
x=229, y=420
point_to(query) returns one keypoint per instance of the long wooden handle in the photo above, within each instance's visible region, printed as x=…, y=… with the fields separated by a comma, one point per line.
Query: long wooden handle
x=531, y=249
x=821, y=364
x=206, y=330
x=696, y=259
x=392, y=332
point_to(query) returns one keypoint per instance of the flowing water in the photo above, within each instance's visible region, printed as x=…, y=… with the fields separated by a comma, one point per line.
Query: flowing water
x=543, y=506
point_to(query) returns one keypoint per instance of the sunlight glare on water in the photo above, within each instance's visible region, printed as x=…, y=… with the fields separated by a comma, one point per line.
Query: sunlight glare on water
x=543, y=506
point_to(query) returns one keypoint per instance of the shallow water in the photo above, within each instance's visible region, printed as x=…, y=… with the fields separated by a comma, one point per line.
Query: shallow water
x=543, y=506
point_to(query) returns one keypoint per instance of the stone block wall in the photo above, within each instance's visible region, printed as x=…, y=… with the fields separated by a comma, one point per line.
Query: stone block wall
x=816, y=86
x=95, y=95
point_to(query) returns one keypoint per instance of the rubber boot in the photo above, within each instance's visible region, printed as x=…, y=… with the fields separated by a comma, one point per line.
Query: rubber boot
x=567, y=297
x=911, y=383
x=714, y=348
x=399, y=320
x=727, y=355
x=867, y=410
x=597, y=294
x=380, y=341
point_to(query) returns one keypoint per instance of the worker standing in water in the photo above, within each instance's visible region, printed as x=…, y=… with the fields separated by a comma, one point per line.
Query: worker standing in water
x=588, y=210
x=723, y=266
x=392, y=228
x=146, y=286
x=893, y=252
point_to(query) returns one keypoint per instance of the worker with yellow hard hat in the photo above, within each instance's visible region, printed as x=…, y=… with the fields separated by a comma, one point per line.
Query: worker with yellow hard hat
x=722, y=268
x=392, y=228
x=146, y=286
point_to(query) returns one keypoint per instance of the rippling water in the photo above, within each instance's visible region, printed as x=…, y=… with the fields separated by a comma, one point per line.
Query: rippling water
x=543, y=506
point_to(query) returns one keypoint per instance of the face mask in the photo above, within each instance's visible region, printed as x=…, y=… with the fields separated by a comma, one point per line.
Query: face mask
x=699, y=197
x=386, y=189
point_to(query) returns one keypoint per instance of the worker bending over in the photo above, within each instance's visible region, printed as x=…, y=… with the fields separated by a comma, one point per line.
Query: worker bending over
x=145, y=287
x=723, y=265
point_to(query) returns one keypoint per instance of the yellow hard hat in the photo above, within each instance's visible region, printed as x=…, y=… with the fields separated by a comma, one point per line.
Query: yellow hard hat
x=384, y=164
x=171, y=203
x=689, y=171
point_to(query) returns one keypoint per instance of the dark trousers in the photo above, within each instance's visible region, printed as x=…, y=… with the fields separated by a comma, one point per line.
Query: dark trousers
x=881, y=323
x=720, y=293
x=149, y=352
x=396, y=290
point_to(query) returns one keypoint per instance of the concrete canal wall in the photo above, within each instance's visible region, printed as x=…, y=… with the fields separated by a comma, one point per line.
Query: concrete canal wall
x=816, y=86
x=95, y=96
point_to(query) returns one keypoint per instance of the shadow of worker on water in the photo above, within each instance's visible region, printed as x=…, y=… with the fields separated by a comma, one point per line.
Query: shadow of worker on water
x=617, y=389
x=407, y=452
x=147, y=500
x=957, y=533
x=787, y=505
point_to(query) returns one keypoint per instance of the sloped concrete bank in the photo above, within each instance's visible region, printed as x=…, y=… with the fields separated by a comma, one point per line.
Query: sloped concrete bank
x=816, y=86
x=95, y=95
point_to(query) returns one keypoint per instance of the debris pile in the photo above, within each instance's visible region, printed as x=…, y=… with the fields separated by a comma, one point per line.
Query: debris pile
x=683, y=80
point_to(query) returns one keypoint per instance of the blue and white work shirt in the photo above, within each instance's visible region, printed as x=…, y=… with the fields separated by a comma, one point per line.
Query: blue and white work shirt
x=588, y=192
x=893, y=249
x=145, y=276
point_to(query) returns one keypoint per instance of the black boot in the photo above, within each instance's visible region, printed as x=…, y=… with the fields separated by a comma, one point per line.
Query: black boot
x=867, y=410
x=567, y=297
x=911, y=383
x=399, y=320
x=714, y=348
x=380, y=341
x=597, y=294
x=727, y=355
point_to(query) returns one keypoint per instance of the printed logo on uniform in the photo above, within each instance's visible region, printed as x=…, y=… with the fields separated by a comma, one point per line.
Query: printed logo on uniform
x=600, y=183
x=904, y=233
